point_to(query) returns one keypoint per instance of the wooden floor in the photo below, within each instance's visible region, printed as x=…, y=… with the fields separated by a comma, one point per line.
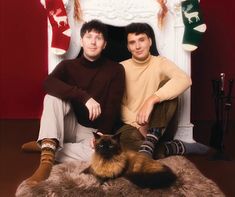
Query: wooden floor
x=16, y=166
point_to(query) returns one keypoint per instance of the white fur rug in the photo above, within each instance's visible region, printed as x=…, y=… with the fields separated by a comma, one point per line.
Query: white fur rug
x=66, y=181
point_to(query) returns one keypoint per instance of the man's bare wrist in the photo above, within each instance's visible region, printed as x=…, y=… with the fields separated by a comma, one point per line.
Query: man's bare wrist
x=156, y=99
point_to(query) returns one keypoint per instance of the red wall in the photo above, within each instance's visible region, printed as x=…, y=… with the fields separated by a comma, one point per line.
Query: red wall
x=24, y=57
x=216, y=54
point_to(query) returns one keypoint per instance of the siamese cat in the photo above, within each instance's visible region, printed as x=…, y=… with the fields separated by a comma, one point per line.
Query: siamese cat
x=109, y=161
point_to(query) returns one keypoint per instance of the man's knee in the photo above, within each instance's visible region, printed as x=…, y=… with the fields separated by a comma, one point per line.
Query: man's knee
x=130, y=139
x=56, y=103
x=171, y=106
x=51, y=99
x=163, y=113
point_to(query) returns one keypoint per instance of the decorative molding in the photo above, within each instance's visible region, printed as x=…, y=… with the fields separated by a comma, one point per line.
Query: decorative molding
x=120, y=12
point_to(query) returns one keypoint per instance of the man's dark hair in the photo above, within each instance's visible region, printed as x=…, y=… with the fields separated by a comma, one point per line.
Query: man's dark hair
x=95, y=25
x=139, y=28
x=142, y=28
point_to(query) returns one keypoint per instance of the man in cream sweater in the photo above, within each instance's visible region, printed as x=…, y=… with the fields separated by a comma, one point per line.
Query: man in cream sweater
x=153, y=84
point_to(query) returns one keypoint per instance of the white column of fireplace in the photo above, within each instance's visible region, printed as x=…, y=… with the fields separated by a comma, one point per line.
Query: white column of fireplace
x=175, y=28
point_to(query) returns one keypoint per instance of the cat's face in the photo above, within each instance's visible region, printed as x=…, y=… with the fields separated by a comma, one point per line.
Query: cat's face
x=107, y=146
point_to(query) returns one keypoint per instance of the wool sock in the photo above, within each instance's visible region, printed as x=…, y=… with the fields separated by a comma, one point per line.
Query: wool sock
x=31, y=146
x=150, y=141
x=193, y=23
x=48, y=147
x=174, y=147
x=178, y=147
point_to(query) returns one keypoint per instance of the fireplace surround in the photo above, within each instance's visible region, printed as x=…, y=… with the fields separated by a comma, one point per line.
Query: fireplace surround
x=119, y=13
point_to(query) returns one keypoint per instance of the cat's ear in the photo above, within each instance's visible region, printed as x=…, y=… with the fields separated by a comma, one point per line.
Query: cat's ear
x=117, y=136
x=96, y=135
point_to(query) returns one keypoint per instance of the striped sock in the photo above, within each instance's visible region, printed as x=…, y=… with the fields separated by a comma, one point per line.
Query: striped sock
x=174, y=147
x=151, y=139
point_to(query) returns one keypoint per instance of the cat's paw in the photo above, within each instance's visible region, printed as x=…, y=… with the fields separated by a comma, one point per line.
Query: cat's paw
x=107, y=184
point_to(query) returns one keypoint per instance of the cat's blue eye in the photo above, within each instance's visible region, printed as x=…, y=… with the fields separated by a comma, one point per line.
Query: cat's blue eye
x=101, y=145
x=110, y=146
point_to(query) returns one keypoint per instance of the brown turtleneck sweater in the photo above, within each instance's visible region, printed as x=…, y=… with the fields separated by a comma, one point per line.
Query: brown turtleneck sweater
x=78, y=80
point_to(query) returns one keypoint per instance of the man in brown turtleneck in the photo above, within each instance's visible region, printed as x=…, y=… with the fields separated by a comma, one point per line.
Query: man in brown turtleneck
x=83, y=96
x=153, y=84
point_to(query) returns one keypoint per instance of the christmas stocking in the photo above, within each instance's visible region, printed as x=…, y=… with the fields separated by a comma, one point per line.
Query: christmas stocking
x=61, y=31
x=194, y=25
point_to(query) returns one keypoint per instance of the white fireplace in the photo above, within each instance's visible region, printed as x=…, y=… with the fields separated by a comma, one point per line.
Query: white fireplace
x=121, y=13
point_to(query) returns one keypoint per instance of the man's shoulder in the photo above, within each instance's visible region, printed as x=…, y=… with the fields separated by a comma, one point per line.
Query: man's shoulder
x=109, y=61
x=70, y=61
x=125, y=62
x=113, y=64
x=158, y=58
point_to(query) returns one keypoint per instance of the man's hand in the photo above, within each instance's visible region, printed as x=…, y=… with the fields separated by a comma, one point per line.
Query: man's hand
x=143, y=115
x=93, y=108
x=144, y=130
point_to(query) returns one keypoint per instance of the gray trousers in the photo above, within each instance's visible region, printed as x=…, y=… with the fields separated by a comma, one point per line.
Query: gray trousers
x=58, y=122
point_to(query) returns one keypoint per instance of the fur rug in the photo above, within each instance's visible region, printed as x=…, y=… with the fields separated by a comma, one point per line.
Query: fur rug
x=66, y=181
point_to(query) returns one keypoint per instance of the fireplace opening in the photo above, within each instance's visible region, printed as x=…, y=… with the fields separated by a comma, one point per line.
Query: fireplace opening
x=116, y=48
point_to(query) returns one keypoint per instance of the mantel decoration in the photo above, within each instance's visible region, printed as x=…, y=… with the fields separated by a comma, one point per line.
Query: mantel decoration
x=61, y=31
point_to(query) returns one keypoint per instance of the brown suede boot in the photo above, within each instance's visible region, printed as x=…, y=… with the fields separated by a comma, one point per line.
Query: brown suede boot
x=30, y=147
x=48, y=147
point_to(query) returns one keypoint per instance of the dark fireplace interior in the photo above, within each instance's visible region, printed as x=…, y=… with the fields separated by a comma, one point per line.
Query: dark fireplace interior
x=116, y=48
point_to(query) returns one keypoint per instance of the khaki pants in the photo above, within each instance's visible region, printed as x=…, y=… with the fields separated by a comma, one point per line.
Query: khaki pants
x=163, y=116
x=58, y=122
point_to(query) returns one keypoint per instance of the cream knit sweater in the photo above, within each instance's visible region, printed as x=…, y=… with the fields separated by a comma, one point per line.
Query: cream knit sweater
x=143, y=80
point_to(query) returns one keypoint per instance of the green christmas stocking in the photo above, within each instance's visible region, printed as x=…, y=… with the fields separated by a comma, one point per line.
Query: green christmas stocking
x=194, y=25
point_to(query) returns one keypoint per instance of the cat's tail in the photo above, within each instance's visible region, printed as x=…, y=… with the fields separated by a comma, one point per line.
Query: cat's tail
x=158, y=178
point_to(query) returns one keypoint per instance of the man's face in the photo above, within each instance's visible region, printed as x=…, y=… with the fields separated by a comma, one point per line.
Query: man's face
x=93, y=43
x=139, y=45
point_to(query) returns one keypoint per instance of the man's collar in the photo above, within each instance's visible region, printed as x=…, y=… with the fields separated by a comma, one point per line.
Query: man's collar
x=92, y=64
x=141, y=62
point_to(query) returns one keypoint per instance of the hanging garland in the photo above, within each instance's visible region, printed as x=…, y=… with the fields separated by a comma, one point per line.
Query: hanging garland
x=77, y=11
x=162, y=13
